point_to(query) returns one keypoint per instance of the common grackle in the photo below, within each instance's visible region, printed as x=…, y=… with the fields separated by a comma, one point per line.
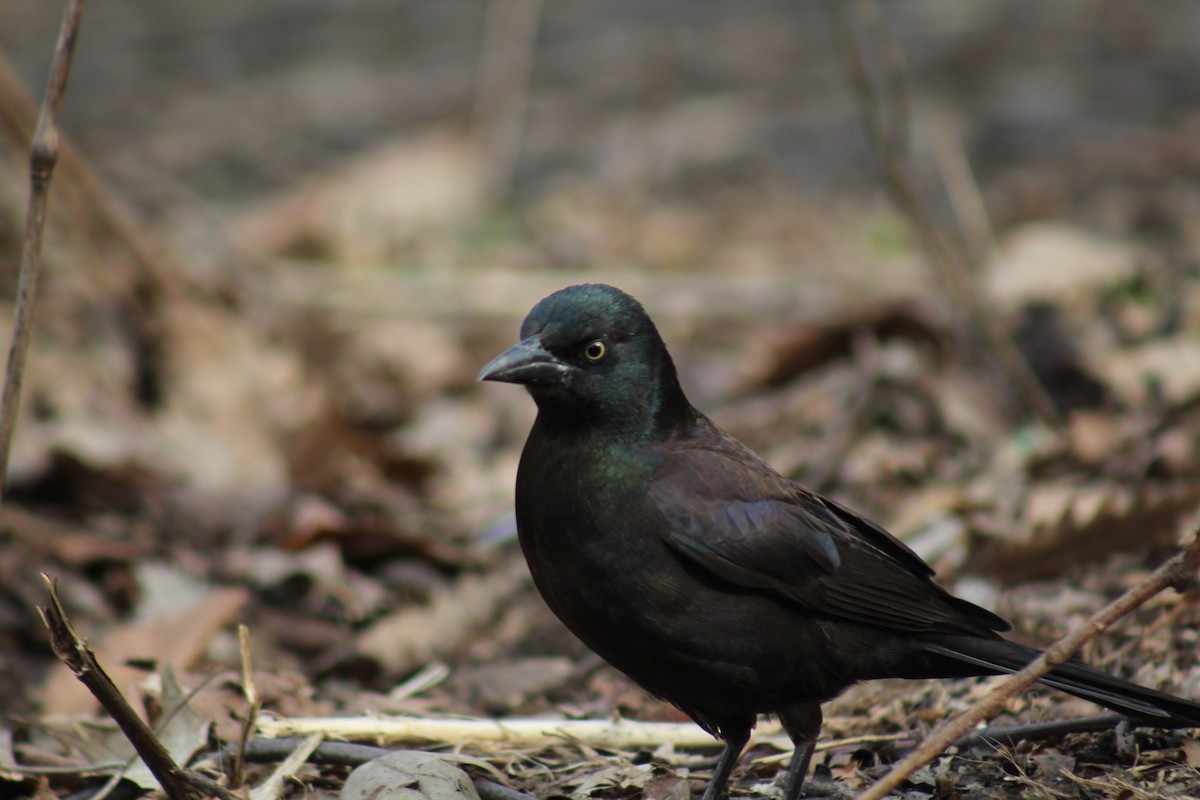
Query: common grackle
x=689, y=564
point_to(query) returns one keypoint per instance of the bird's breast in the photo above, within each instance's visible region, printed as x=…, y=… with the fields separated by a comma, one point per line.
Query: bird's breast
x=589, y=541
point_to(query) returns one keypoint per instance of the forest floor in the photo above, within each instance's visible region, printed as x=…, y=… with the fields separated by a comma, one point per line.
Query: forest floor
x=295, y=233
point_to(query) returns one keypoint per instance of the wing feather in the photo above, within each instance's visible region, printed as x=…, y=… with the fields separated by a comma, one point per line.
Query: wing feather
x=731, y=514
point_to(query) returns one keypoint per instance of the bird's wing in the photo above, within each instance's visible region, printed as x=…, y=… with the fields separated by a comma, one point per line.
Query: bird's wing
x=742, y=522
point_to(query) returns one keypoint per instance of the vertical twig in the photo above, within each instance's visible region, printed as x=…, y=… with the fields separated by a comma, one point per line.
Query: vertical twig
x=253, y=705
x=43, y=157
x=963, y=190
x=502, y=87
x=973, y=319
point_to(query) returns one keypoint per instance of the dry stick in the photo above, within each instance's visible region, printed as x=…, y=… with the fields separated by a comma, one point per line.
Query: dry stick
x=178, y=783
x=1010, y=735
x=967, y=306
x=1177, y=573
x=274, y=787
x=502, y=87
x=253, y=705
x=43, y=157
x=963, y=189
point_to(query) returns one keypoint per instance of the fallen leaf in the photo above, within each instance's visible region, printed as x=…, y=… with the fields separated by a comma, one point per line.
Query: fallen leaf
x=412, y=636
x=1191, y=752
x=182, y=731
x=176, y=639
x=1075, y=526
x=667, y=786
x=1052, y=261
x=409, y=775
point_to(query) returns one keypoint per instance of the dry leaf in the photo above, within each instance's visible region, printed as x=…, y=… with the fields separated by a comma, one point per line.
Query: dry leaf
x=1077, y=526
x=409, y=775
x=1094, y=435
x=1170, y=367
x=176, y=639
x=182, y=731
x=413, y=636
x=1191, y=752
x=356, y=213
x=1053, y=261
x=506, y=684
x=667, y=786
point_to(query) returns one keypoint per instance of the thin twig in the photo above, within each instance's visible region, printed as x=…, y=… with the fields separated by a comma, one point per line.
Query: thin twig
x=43, y=156
x=274, y=786
x=502, y=87
x=962, y=189
x=178, y=783
x=1010, y=735
x=973, y=318
x=1177, y=572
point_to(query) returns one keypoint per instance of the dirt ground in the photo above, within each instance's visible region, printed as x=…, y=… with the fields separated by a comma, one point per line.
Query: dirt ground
x=289, y=234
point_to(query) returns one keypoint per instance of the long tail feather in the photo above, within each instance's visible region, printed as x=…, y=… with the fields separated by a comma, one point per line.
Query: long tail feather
x=999, y=656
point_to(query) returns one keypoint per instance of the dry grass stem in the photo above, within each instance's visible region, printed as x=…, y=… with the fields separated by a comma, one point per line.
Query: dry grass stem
x=253, y=705
x=274, y=787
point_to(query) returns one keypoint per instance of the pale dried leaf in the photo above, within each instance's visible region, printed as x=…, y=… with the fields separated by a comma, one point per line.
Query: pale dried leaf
x=409, y=775
x=183, y=732
x=1170, y=367
x=1191, y=752
x=232, y=391
x=667, y=786
x=105, y=749
x=622, y=775
x=356, y=213
x=176, y=639
x=1053, y=261
x=509, y=683
x=918, y=508
x=413, y=636
x=1094, y=435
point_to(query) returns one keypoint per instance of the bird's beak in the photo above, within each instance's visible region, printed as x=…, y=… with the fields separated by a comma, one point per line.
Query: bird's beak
x=526, y=362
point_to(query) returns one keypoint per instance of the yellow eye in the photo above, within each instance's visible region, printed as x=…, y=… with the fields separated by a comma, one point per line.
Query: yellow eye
x=595, y=351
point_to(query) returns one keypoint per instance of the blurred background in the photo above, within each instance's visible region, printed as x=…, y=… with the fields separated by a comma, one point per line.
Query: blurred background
x=288, y=234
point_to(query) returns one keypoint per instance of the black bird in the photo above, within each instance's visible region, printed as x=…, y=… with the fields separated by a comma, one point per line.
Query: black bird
x=688, y=563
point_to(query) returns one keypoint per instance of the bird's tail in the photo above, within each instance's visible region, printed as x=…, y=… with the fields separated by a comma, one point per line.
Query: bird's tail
x=999, y=656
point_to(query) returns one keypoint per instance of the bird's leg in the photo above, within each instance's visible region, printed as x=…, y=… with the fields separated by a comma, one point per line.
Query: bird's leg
x=802, y=723
x=735, y=737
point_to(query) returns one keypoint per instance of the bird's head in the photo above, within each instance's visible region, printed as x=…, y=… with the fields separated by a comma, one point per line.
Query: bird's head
x=591, y=356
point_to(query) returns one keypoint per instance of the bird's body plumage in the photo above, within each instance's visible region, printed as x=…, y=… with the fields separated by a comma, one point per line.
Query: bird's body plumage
x=688, y=563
